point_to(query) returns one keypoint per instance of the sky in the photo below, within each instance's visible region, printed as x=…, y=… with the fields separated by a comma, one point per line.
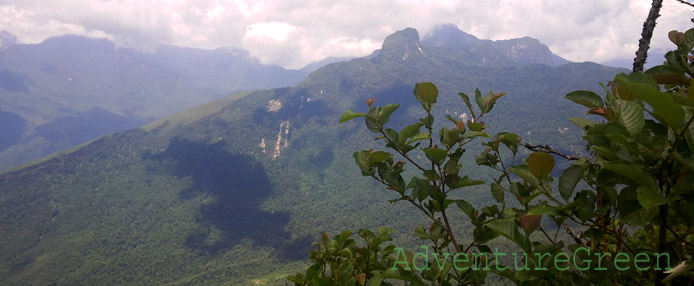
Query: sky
x=293, y=33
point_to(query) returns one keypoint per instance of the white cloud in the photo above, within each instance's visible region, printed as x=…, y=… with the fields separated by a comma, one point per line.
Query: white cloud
x=293, y=33
x=274, y=32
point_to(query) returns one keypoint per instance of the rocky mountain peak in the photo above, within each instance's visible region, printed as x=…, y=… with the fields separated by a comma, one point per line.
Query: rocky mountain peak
x=450, y=35
x=519, y=51
x=402, y=44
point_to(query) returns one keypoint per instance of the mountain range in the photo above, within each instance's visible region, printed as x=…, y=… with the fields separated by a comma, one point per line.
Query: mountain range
x=68, y=90
x=235, y=190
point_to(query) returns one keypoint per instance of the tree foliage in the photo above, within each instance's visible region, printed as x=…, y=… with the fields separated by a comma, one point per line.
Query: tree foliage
x=618, y=216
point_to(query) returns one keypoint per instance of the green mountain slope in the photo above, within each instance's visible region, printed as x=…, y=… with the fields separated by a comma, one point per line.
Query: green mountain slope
x=234, y=191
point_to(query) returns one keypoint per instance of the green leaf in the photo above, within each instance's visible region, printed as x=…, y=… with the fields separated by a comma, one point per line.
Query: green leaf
x=452, y=167
x=583, y=123
x=409, y=131
x=497, y=192
x=451, y=119
x=511, y=140
x=449, y=137
x=641, y=217
x=420, y=232
x=530, y=223
x=569, y=178
x=419, y=136
x=473, y=134
x=509, y=229
x=436, y=155
x=686, y=163
x=426, y=92
x=344, y=236
x=483, y=234
x=431, y=175
x=463, y=206
x=633, y=172
x=467, y=102
x=372, y=125
x=349, y=115
x=298, y=278
x=667, y=75
x=493, y=97
x=376, y=280
x=395, y=181
x=688, y=42
x=466, y=182
x=546, y=211
x=360, y=159
x=385, y=113
x=649, y=197
x=586, y=98
x=490, y=99
x=630, y=115
x=524, y=173
x=540, y=164
x=380, y=275
x=392, y=134
x=637, y=77
x=662, y=103
x=479, y=127
x=480, y=101
x=379, y=156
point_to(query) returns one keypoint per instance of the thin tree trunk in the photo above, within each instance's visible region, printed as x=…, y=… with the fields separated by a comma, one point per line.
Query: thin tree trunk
x=646, y=35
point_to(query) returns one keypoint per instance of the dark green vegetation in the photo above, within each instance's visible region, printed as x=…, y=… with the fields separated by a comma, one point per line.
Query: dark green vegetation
x=68, y=90
x=194, y=198
x=623, y=209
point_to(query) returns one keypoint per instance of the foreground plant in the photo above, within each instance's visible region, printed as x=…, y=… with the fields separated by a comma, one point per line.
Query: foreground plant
x=618, y=216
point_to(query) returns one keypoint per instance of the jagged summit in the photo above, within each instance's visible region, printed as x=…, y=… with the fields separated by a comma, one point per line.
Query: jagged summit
x=450, y=42
x=402, y=44
x=519, y=51
x=449, y=35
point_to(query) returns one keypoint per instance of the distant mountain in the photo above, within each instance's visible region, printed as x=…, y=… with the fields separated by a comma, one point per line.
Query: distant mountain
x=655, y=57
x=234, y=191
x=6, y=39
x=522, y=51
x=319, y=64
x=68, y=90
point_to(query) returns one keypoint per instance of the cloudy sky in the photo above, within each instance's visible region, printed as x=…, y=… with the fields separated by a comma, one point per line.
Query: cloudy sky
x=293, y=33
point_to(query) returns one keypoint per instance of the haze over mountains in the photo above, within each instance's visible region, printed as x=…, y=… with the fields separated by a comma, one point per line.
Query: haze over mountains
x=235, y=190
x=68, y=90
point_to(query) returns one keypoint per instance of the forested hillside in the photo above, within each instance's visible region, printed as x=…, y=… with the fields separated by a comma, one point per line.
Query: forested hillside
x=235, y=190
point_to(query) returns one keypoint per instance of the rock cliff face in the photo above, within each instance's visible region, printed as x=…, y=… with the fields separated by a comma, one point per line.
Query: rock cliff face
x=402, y=45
